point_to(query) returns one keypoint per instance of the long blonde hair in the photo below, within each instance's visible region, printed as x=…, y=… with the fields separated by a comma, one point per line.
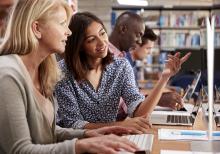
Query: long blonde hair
x=20, y=39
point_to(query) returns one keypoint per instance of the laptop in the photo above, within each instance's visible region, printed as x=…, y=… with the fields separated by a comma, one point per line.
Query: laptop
x=183, y=117
x=216, y=105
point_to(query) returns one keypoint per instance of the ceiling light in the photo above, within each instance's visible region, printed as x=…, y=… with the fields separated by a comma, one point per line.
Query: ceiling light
x=133, y=2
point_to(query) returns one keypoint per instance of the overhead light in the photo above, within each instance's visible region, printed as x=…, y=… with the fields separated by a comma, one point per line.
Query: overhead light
x=133, y=2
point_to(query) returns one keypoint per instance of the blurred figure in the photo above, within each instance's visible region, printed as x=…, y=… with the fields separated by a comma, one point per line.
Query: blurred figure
x=5, y=9
x=126, y=36
x=141, y=51
x=127, y=33
x=74, y=5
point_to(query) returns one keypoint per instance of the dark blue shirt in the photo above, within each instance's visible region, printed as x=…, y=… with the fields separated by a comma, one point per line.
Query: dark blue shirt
x=133, y=65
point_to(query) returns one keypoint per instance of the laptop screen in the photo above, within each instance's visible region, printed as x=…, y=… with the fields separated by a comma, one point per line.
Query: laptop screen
x=191, y=88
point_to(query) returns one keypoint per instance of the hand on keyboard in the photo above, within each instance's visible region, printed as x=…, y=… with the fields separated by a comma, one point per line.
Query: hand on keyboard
x=138, y=125
x=143, y=141
x=105, y=144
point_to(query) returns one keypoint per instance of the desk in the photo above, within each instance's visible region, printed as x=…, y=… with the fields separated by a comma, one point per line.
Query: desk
x=168, y=145
x=176, y=145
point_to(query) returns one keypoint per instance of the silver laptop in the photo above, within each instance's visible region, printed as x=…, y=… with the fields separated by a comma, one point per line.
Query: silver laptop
x=216, y=105
x=185, y=116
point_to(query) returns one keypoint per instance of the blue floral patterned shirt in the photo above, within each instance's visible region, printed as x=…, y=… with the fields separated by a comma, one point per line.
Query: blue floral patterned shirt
x=80, y=103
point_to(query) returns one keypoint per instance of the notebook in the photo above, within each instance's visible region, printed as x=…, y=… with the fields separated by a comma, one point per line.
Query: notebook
x=184, y=117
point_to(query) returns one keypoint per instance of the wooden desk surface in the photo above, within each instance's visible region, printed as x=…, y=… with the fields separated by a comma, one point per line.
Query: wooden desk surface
x=176, y=145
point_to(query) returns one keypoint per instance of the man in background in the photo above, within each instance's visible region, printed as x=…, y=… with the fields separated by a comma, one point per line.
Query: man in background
x=140, y=53
x=142, y=50
x=127, y=34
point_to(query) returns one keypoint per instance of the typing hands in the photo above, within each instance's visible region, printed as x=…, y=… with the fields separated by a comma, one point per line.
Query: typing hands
x=110, y=144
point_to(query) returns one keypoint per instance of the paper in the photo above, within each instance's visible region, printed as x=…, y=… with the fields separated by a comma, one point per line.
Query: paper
x=185, y=152
x=175, y=134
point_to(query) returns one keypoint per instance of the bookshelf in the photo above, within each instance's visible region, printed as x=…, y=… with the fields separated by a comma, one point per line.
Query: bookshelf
x=180, y=28
x=177, y=26
x=216, y=11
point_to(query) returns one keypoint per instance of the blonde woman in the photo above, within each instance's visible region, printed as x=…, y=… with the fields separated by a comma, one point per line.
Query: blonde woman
x=28, y=73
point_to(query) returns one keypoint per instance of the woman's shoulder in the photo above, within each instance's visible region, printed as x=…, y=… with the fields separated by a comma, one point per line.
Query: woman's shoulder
x=62, y=65
x=7, y=60
x=66, y=75
x=120, y=61
x=118, y=66
x=9, y=63
x=11, y=69
x=64, y=70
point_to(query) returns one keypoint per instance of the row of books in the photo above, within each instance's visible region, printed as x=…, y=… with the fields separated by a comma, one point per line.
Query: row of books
x=179, y=39
x=191, y=39
x=217, y=20
x=177, y=19
x=216, y=39
x=173, y=19
x=181, y=20
x=185, y=20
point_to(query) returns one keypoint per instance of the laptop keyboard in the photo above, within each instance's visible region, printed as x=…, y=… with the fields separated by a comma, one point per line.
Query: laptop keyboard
x=143, y=141
x=179, y=119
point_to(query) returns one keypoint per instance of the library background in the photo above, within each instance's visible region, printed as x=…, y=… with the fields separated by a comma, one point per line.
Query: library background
x=180, y=26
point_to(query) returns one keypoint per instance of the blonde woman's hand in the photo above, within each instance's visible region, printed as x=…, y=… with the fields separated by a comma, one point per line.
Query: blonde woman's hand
x=118, y=130
x=138, y=125
x=110, y=144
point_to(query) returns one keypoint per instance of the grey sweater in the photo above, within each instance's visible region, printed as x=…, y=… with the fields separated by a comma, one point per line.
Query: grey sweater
x=23, y=126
